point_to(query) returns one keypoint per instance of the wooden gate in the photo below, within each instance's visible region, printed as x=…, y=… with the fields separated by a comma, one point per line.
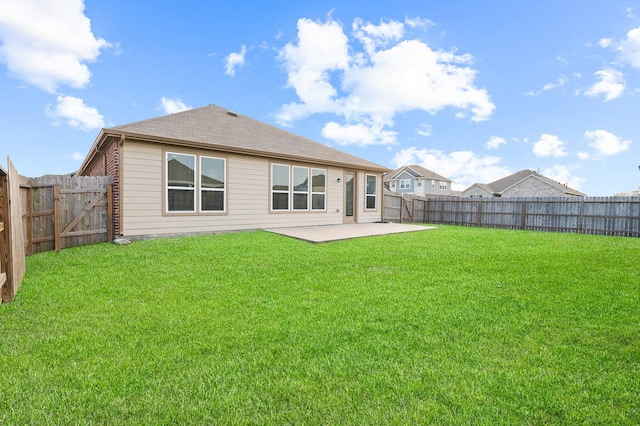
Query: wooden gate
x=66, y=211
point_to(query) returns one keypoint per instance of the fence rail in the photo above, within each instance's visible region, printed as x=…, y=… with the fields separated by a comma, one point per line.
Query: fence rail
x=590, y=215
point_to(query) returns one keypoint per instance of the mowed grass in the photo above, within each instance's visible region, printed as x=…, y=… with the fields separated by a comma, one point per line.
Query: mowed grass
x=449, y=326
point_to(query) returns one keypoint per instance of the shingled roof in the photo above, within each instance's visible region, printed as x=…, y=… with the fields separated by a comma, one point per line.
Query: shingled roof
x=214, y=127
x=501, y=185
x=416, y=171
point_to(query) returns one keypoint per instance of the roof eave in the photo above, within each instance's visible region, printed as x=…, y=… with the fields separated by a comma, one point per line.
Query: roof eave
x=235, y=150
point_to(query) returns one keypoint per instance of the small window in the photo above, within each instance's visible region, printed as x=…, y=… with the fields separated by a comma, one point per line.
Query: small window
x=181, y=183
x=371, y=191
x=443, y=186
x=279, y=187
x=318, y=189
x=419, y=184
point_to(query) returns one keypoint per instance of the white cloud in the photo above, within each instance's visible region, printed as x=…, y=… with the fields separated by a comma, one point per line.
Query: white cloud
x=77, y=156
x=419, y=22
x=563, y=175
x=464, y=168
x=234, y=60
x=605, y=42
x=549, y=146
x=611, y=85
x=561, y=81
x=495, y=142
x=373, y=37
x=606, y=143
x=370, y=86
x=629, y=48
x=424, y=130
x=48, y=42
x=171, y=106
x=360, y=134
x=75, y=113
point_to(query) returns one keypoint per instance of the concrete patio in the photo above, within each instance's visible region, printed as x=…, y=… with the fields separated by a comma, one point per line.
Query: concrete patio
x=326, y=233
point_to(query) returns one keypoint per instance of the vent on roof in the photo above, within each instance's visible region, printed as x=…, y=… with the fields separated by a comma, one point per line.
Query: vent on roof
x=232, y=113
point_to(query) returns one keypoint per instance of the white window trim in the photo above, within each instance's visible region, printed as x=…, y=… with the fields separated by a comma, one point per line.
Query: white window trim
x=323, y=193
x=223, y=190
x=374, y=195
x=294, y=192
x=194, y=188
x=404, y=183
x=279, y=191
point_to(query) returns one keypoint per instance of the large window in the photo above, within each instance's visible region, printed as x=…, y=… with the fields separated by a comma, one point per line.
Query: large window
x=371, y=191
x=298, y=188
x=182, y=185
x=405, y=183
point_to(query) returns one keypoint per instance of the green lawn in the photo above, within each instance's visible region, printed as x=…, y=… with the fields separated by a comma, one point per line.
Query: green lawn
x=450, y=326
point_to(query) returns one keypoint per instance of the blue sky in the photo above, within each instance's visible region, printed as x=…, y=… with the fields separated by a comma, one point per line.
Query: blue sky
x=474, y=90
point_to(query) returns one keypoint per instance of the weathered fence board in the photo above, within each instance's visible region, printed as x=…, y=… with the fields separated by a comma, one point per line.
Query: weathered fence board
x=12, y=255
x=67, y=211
x=589, y=215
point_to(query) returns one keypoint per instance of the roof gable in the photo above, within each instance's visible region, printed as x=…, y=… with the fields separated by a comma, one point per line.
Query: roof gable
x=501, y=185
x=417, y=172
x=217, y=128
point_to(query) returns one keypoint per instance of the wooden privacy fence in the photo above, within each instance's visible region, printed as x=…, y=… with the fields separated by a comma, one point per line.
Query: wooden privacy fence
x=66, y=211
x=588, y=215
x=12, y=255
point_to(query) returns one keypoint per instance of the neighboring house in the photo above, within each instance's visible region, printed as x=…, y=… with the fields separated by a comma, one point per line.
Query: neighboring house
x=209, y=169
x=525, y=183
x=417, y=180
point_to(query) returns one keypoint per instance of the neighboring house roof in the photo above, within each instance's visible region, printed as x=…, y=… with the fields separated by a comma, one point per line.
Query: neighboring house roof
x=417, y=172
x=501, y=185
x=214, y=127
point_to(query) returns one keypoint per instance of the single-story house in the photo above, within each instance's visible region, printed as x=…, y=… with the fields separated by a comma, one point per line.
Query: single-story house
x=525, y=183
x=417, y=180
x=209, y=169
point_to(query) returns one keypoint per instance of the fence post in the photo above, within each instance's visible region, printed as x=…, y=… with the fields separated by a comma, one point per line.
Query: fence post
x=480, y=213
x=110, y=211
x=29, y=217
x=523, y=222
x=56, y=217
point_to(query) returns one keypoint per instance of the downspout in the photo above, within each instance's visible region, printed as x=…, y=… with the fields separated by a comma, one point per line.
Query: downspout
x=382, y=201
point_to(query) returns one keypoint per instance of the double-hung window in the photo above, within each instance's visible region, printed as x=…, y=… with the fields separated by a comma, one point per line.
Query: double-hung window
x=279, y=187
x=212, y=184
x=195, y=183
x=181, y=182
x=318, y=189
x=405, y=183
x=370, y=192
x=298, y=188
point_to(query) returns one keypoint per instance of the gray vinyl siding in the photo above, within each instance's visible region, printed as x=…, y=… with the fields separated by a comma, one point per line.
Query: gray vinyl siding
x=248, y=196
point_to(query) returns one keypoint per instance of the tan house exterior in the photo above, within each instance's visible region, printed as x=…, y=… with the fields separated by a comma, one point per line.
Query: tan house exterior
x=210, y=170
x=525, y=183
